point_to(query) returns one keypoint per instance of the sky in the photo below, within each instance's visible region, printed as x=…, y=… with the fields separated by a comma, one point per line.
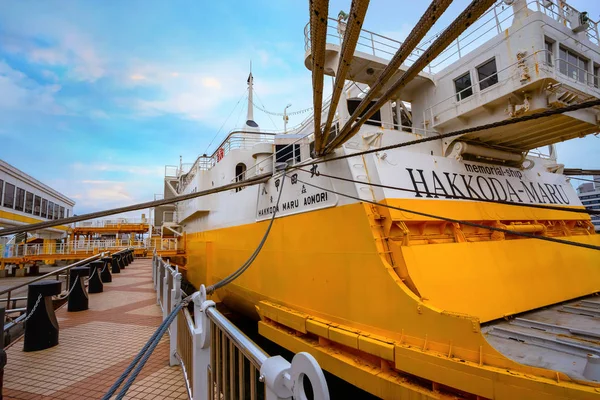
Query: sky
x=97, y=97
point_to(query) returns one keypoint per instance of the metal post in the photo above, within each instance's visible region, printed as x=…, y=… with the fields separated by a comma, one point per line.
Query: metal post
x=201, y=346
x=165, y=293
x=175, y=299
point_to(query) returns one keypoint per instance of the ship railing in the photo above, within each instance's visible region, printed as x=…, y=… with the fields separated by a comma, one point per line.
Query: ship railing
x=368, y=42
x=164, y=244
x=217, y=359
x=558, y=68
x=493, y=22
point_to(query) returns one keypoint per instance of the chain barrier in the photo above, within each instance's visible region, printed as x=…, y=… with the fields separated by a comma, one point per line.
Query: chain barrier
x=37, y=303
x=282, y=114
x=61, y=297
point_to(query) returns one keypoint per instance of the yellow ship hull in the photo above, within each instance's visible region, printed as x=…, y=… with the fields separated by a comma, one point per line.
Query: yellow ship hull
x=394, y=305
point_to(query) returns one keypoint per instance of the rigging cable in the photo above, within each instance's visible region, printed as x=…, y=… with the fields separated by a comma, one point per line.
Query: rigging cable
x=366, y=109
x=457, y=221
x=273, y=122
x=583, y=179
x=210, y=289
x=358, y=11
x=510, y=203
x=229, y=116
x=506, y=122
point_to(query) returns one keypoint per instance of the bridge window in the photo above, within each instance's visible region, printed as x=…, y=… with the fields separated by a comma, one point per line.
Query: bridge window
x=20, y=201
x=285, y=152
x=596, y=75
x=56, y=206
x=487, y=74
x=572, y=64
x=375, y=119
x=62, y=212
x=50, y=209
x=1, y=188
x=36, y=205
x=29, y=203
x=44, y=212
x=9, y=195
x=463, y=86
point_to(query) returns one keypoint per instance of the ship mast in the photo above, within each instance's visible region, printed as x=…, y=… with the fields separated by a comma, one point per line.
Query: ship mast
x=250, y=124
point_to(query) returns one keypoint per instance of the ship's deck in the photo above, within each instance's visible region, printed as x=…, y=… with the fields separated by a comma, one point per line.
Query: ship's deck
x=557, y=338
x=97, y=345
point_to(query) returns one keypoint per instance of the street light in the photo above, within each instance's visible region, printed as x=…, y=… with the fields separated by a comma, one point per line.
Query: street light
x=285, y=117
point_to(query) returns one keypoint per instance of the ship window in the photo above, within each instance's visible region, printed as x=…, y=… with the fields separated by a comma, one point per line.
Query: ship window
x=596, y=75
x=44, y=213
x=67, y=213
x=572, y=64
x=549, y=52
x=285, y=152
x=56, y=206
x=1, y=188
x=29, y=203
x=50, y=209
x=62, y=212
x=36, y=205
x=375, y=119
x=463, y=86
x=20, y=200
x=9, y=195
x=488, y=74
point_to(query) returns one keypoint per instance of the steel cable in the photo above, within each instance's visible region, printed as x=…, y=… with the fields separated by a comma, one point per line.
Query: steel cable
x=457, y=221
x=429, y=18
x=506, y=122
x=510, y=203
x=225, y=281
x=459, y=25
x=358, y=10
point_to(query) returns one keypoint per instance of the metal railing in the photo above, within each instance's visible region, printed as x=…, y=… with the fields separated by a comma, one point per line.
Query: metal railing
x=72, y=247
x=111, y=223
x=493, y=22
x=218, y=360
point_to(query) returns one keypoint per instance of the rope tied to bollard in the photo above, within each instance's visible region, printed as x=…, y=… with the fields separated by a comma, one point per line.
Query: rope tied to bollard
x=140, y=359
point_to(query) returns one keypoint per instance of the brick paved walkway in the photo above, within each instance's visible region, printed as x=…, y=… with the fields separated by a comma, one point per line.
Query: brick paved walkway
x=96, y=345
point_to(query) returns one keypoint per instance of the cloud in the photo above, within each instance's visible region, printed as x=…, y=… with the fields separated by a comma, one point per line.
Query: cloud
x=18, y=92
x=98, y=114
x=65, y=47
x=140, y=170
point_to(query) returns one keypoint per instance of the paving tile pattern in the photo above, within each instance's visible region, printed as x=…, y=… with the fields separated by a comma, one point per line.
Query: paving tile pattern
x=96, y=345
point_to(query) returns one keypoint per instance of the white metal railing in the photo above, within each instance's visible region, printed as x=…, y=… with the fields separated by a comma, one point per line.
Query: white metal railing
x=72, y=247
x=111, y=222
x=493, y=22
x=218, y=360
x=558, y=68
x=369, y=42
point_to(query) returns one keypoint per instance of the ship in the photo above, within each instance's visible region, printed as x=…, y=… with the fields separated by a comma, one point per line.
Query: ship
x=458, y=267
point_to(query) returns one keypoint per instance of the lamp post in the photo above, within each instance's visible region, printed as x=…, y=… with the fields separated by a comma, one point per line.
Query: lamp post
x=285, y=118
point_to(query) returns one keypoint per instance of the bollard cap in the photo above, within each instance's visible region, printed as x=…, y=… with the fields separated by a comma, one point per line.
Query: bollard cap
x=80, y=271
x=45, y=288
x=96, y=264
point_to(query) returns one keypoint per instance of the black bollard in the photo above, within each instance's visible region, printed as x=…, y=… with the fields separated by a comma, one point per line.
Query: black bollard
x=131, y=255
x=78, y=298
x=121, y=261
x=128, y=257
x=116, y=269
x=95, y=283
x=124, y=258
x=41, y=327
x=105, y=272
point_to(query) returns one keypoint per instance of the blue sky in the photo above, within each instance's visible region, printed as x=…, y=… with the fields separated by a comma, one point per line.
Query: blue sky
x=96, y=97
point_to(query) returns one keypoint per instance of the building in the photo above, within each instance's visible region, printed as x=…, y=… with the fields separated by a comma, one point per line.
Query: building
x=589, y=193
x=25, y=200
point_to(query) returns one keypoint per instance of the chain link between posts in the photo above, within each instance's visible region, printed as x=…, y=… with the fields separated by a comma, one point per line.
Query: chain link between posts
x=37, y=303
